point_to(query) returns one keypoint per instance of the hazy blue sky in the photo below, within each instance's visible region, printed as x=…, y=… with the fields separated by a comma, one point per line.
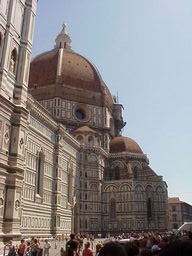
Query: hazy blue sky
x=143, y=50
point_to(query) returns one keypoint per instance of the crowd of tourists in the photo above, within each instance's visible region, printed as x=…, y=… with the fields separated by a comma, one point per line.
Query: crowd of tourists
x=133, y=244
x=29, y=248
x=144, y=244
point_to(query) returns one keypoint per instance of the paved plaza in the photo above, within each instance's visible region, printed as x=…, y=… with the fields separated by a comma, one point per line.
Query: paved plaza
x=56, y=246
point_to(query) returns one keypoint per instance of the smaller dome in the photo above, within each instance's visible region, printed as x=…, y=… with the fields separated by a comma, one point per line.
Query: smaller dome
x=124, y=144
x=84, y=129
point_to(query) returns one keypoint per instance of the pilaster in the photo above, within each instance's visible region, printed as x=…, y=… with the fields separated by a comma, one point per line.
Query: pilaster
x=12, y=213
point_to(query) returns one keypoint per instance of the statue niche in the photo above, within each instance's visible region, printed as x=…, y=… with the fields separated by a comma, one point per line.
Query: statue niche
x=12, y=64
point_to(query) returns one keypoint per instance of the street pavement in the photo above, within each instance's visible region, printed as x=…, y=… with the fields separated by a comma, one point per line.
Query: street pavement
x=57, y=245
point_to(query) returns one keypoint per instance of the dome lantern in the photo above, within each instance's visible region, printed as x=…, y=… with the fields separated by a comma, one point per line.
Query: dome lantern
x=63, y=40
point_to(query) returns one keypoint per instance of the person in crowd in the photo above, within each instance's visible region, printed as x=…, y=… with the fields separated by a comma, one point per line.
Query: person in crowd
x=155, y=248
x=12, y=249
x=131, y=248
x=46, y=247
x=143, y=241
x=98, y=248
x=112, y=249
x=62, y=252
x=28, y=249
x=163, y=243
x=80, y=243
x=146, y=252
x=22, y=247
x=149, y=243
x=178, y=248
x=72, y=246
x=87, y=251
x=35, y=248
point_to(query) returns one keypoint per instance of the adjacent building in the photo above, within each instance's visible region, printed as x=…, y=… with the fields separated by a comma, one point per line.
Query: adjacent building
x=179, y=212
x=64, y=163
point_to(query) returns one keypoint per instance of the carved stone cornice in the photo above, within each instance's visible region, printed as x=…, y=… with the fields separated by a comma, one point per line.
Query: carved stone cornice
x=41, y=113
x=66, y=136
x=13, y=169
x=97, y=150
x=6, y=104
x=129, y=155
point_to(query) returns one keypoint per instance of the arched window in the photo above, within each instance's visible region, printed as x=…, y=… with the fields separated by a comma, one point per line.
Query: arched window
x=13, y=61
x=40, y=173
x=135, y=173
x=90, y=141
x=94, y=193
x=116, y=173
x=149, y=208
x=69, y=182
x=160, y=199
x=112, y=209
x=99, y=141
x=80, y=138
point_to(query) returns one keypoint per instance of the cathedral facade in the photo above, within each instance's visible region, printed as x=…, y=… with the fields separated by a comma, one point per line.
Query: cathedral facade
x=64, y=165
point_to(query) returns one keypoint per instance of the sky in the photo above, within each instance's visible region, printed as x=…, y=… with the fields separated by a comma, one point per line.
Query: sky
x=143, y=51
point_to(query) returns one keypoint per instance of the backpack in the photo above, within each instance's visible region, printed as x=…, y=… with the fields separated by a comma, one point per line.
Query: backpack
x=33, y=249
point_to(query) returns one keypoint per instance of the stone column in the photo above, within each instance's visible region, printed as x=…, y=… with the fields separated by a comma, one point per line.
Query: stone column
x=12, y=214
x=2, y=199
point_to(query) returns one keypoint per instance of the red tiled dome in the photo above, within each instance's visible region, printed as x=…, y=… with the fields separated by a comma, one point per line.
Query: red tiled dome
x=76, y=71
x=84, y=129
x=124, y=144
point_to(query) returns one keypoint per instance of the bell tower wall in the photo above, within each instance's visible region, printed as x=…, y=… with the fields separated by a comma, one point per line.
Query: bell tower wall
x=17, y=18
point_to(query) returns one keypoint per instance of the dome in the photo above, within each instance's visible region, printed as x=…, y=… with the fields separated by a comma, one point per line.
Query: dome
x=124, y=144
x=75, y=71
x=84, y=129
x=67, y=74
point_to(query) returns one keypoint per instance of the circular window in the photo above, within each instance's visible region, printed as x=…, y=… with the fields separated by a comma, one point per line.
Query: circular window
x=80, y=114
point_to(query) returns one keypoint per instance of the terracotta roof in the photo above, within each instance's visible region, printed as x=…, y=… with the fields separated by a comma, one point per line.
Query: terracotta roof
x=43, y=69
x=109, y=97
x=124, y=144
x=76, y=71
x=84, y=129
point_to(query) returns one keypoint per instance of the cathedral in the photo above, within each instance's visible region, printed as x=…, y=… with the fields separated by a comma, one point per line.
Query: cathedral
x=64, y=164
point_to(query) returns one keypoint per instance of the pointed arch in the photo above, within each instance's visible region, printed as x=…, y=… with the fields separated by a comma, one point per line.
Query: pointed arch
x=125, y=188
x=125, y=197
x=13, y=61
x=149, y=201
x=94, y=193
x=110, y=188
x=139, y=197
x=91, y=141
x=149, y=190
x=160, y=198
x=80, y=138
